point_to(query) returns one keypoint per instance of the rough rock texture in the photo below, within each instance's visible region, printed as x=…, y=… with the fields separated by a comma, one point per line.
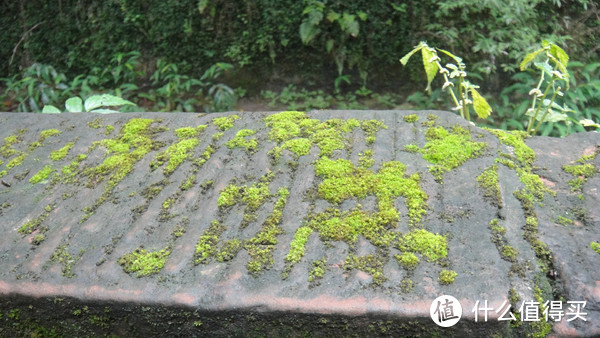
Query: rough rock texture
x=329, y=222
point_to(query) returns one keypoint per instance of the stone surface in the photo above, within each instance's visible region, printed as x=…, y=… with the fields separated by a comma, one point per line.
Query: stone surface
x=151, y=190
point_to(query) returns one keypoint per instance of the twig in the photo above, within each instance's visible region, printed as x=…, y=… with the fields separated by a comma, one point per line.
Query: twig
x=22, y=38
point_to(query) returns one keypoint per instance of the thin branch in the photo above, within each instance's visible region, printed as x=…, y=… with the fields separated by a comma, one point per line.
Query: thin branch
x=22, y=39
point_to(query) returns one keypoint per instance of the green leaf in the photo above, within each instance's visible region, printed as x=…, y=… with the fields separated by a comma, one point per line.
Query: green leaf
x=74, y=105
x=405, y=58
x=353, y=28
x=105, y=100
x=528, y=58
x=104, y=111
x=362, y=15
x=202, y=6
x=560, y=54
x=454, y=57
x=544, y=67
x=50, y=109
x=329, y=45
x=431, y=68
x=308, y=31
x=481, y=106
x=332, y=16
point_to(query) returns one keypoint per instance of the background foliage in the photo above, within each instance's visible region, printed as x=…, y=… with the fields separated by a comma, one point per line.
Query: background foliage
x=339, y=47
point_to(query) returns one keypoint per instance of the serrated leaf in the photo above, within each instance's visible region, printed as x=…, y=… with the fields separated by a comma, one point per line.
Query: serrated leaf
x=431, y=68
x=74, y=105
x=454, y=57
x=560, y=54
x=544, y=67
x=528, y=58
x=104, y=100
x=50, y=109
x=405, y=58
x=552, y=116
x=480, y=104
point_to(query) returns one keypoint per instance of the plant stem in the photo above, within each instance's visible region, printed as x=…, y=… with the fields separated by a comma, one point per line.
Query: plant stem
x=547, y=111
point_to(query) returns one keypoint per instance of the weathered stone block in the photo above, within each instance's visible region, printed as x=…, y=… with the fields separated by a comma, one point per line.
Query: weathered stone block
x=327, y=222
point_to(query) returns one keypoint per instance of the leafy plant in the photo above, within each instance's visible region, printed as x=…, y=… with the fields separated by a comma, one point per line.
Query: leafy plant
x=39, y=85
x=461, y=99
x=553, y=74
x=93, y=104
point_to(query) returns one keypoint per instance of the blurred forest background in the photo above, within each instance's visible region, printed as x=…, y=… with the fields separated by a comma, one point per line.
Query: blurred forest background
x=254, y=55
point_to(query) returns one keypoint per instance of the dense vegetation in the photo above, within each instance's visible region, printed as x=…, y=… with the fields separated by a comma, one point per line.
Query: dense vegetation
x=188, y=55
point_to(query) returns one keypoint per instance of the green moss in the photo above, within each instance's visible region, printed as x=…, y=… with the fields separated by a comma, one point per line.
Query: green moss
x=47, y=133
x=15, y=162
x=42, y=174
x=407, y=260
x=565, y=221
x=63, y=257
x=406, y=285
x=135, y=136
x=95, y=124
x=328, y=135
x=412, y=148
x=109, y=129
x=595, y=246
x=524, y=154
x=38, y=239
x=318, y=270
x=447, y=150
x=175, y=155
x=206, y=247
x=371, y=264
x=239, y=141
x=6, y=150
x=217, y=136
x=36, y=224
x=229, y=250
x=298, y=245
x=581, y=172
x=298, y=146
x=509, y=253
x=188, y=183
x=343, y=181
x=229, y=196
x=447, y=277
x=189, y=132
x=365, y=160
x=60, y=154
x=261, y=246
x=533, y=184
x=144, y=263
x=433, y=246
x=225, y=122
x=411, y=118
x=488, y=181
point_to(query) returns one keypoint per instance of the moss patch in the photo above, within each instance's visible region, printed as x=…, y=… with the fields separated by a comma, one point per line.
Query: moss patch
x=447, y=277
x=298, y=245
x=206, y=247
x=411, y=118
x=318, y=270
x=42, y=174
x=226, y=122
x=595, y=246
x=433, y=246
x=144, y=263
x=60, y=154
x=240, y=141
x=488, y=180
x=582, y=171
x=371, y=264
x=36, y=224
x=447, y=150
